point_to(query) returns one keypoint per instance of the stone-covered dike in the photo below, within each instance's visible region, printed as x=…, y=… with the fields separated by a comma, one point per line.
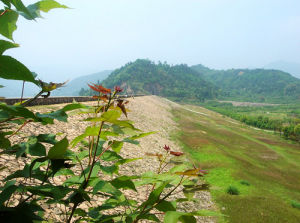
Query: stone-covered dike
x=56, y=100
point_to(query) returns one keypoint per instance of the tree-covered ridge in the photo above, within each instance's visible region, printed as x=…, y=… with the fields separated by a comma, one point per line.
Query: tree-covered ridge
x=253, y=85
x=146, y=77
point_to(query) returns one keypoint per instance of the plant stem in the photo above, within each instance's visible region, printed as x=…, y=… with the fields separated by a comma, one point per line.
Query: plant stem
x=22, y=92
x=159, y=201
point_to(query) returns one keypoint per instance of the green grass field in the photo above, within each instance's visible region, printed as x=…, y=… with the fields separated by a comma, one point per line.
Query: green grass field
x=264, y=168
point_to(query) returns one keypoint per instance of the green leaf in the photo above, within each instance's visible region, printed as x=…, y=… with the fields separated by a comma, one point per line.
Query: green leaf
x=21, y=8
x=141, y=135
x=24, y=212
x=124, y=182
x=105, y=187
x=74, y=180
x=7, y=3
x=80, y=212
x=165, y=206
x=109, y=169
x=7, y=192
x=59, y=149
x=12, y=69
x=4, y=142
x=56, y=192
x=151, y=217
x=123, y=161
x=5, y=45
x=59, y=115
x=17, y=110
x=73, y=106
x=44, y=6
x=155, y=194
x=37, y=149
x=58, y=164
x=47, y=138
x=110, y=116
x=117, y=146
x=38, y=160
x=187, y=219
x=172, y=216
x=110, y=156
x=8, y=22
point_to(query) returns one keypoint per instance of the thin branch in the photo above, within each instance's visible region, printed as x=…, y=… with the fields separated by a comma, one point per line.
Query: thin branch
x=22, y=92
x=81, y=167
x=5, y=11
x=19, y=128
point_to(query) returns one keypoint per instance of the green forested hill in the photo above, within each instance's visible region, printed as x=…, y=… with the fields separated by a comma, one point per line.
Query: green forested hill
x=146, y=77
x=253, y=85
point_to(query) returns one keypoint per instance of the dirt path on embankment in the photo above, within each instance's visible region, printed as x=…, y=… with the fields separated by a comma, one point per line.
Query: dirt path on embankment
x=149, y=113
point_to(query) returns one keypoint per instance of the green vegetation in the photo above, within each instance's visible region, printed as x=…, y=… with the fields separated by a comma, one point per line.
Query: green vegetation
x=257, y=85
x=233, y=153
x=245, y=182
x=232, y=190
x=197, y=83
x=145, y=77
x=282, y=119
x=58, y=175
x=295, y=204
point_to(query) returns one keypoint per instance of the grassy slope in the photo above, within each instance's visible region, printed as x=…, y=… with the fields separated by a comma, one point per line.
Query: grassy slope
x=233, y=152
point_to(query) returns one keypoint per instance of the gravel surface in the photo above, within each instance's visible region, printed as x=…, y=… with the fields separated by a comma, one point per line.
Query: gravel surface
x=149, y=113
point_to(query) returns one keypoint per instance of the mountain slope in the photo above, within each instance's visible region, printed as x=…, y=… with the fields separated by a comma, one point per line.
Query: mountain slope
x=73, y=87
x=292, y=68
x=253, y=85
x=145, y=77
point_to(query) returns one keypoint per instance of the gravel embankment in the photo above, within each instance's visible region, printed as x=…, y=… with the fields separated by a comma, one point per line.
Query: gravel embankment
x=149, y=113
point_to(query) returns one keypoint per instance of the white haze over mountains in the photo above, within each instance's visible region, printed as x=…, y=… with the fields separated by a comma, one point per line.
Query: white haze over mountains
x=291, y=68
x=97, y=35
x=14, y=88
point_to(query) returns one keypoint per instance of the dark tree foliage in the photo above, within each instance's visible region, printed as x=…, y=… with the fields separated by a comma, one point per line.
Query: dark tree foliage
x=145, y=77
x=288, y=127
x=253, y=85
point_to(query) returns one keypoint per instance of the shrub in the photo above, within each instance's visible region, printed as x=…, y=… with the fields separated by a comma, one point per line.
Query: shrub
x=295, y=204
x=245, y=182
x=232, y=190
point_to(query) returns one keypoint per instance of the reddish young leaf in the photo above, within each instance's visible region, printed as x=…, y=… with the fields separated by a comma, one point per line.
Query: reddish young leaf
x=103, y=98
x=100, y=89
x=121, y=105
x=176, y=153
x=167, y=148
x=118, y=89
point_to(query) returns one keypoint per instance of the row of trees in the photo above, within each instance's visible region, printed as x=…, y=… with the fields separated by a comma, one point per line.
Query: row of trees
x=289, y=128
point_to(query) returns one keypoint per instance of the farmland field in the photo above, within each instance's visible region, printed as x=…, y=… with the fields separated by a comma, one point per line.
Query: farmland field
x=262, y=167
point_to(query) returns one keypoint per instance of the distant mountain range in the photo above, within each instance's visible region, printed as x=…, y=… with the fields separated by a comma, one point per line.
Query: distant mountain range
x=73, y=87
x=181, y=82
x=146, y=77
x=13, y=88
x=292, y=68
x=199, y=82
x=256, y=85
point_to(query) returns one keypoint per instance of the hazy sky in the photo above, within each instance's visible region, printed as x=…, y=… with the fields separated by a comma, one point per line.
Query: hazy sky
x=96, y=35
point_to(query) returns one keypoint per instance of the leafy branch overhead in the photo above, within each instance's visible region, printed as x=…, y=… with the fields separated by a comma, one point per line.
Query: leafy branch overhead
x=11, y=68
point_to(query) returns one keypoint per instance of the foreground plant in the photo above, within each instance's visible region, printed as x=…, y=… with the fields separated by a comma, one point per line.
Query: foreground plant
x=88, y=169
x=58, y=173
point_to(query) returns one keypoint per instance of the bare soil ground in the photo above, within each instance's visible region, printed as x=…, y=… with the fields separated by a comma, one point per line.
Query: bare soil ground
x=250, y=104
